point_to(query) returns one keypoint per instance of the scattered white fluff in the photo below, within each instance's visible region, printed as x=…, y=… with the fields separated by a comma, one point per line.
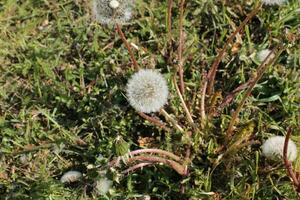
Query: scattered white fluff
x=147, y=91
x=263, y=54
x=112, y=11
x=71, y=176
x=103, y=185
x=273, y=2
x=273, y=148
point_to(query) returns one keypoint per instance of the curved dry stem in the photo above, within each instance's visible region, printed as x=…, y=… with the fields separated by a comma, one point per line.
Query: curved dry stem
x=180, y=169
x=169, y=20
x=214, y=67
x=156, y=151
x=122, y=35
x=136, y=167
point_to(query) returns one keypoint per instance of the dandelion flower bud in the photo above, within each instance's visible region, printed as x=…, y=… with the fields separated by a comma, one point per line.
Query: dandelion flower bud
x=273, y=2
x=273, y=148
x=71, y=176
x=112, y=11
x=147, y=91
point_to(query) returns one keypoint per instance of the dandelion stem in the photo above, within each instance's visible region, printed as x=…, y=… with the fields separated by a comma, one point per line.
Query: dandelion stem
x=188, y=114
x=260, y=71
x=135, y=167
x=214, y=67
x=287, y=163
x=172, y=120
x=202, y=105
x=154, y=121
x=180, y=47
x=180, y=169
x=169, y=20
x=156, y=151
x=120, y=32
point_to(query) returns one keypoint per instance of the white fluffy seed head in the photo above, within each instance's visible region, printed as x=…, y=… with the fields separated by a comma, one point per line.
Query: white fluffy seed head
x=263, y=54
x=114, y=4
x=147, y=91
x=102, y=186
x=112, y=11
x=71, y=176
x=273, y=148
x=273, y=2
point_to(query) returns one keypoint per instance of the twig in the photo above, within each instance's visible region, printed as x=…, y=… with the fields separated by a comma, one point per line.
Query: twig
x=214, y=67
x=120, y=32
x=154, y=121
x=155, y=151
x=261, y=69
x=287, y=164
x=187, y=112
x=180, y=47
x=171, y=119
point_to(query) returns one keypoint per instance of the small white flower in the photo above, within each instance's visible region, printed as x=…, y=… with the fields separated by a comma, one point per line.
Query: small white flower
x=147, y=91
x=273, y=2
x=102, y=186
x=273, y=148
x=112, y=11
x=71, y=176
x=263, y=54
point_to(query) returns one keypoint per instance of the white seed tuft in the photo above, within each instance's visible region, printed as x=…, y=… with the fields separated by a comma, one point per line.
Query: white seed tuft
x=273, y=148
x=112, y=11
x=273, y=2
x=114, y=4
x=71, y=176
x=102, y=186
x=263, y=54
x=147, y=91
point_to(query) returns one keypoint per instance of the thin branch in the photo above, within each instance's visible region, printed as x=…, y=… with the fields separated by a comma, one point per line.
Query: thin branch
x=260, y=71
x=120, y=32
x=180, y=47
x=287, y=164
x=155, y=151
x=171, y=119
x=214, y=67
x=154, y=121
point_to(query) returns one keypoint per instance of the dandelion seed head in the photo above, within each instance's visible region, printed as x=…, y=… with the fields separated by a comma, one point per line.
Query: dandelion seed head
x=112, y=11
x=273, y=2
x=147, y=91
x=263, y=54
x=102, y=185
x=114, y=4
x=71, y=176
x=273, y=148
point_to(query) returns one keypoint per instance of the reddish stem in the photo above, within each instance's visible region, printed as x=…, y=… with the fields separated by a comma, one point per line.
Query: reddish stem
x=119, y=30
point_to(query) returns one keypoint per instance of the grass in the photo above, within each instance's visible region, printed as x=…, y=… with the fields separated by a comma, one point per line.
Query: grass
x=63, y=103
